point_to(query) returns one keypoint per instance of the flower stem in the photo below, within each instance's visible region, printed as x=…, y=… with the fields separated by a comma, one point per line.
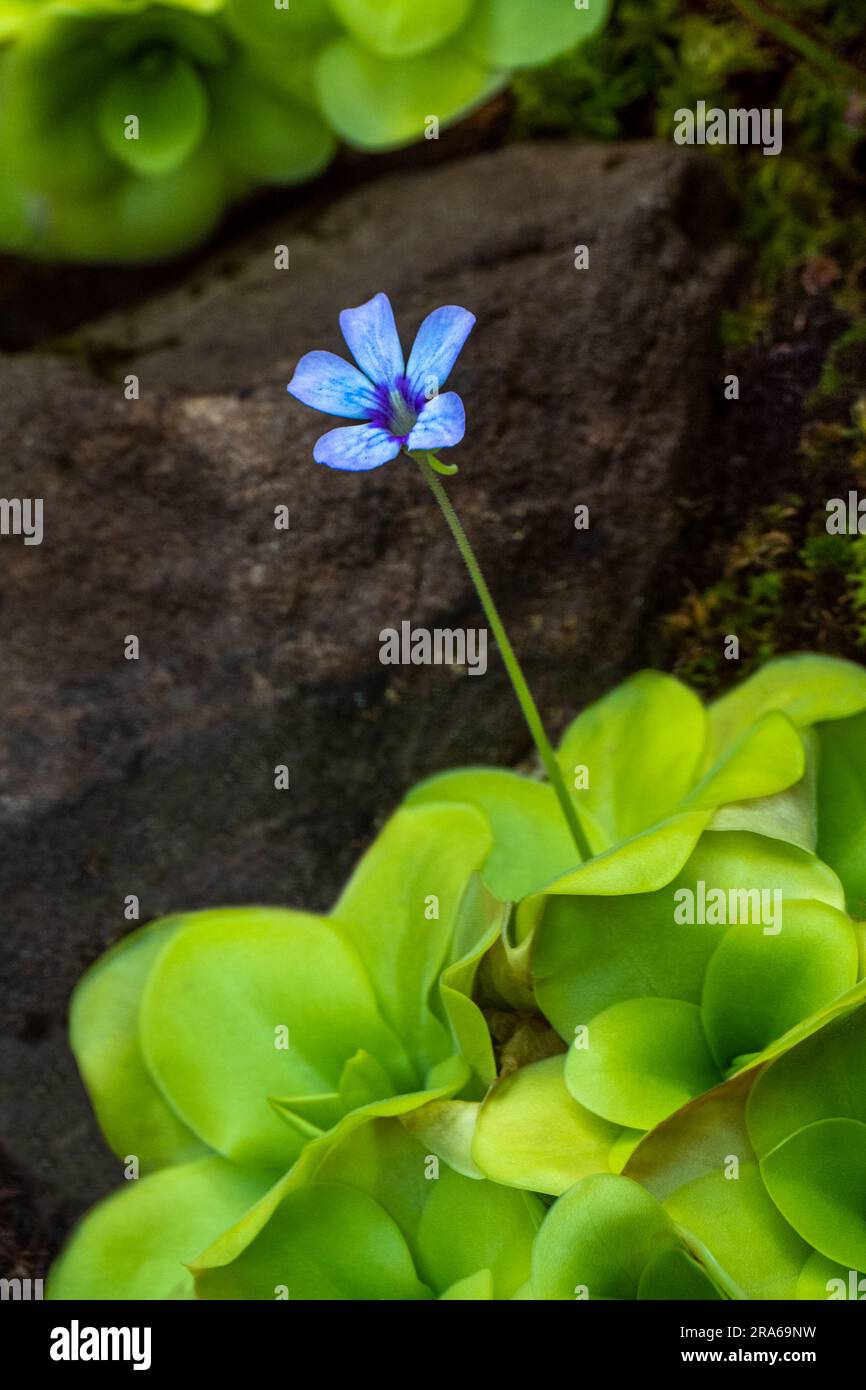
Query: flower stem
x=512, y=665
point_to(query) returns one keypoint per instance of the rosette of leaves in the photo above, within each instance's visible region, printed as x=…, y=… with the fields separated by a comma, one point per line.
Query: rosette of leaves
x=393, y=1150
x=125, y=135
x=228, y=95
x=219, y=1048
x=651, y=1007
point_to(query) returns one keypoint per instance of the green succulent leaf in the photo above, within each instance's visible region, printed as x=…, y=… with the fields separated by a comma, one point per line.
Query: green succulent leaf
x=760, y=985
x=532, y=843
x=645, y=1058
x=298, y=26
x=133, y=1113
x=213, y=1016
x=808, y=689
x=674, y=1275
x=402, y=28
x=376, y=104
x=592, y=952
x=817, y=1179
x=466, y=1225
x=787, y=811
x=517, y=33
x=842, y=806
x=824, y=1279
x=401, y=908
x=598, y=1239
x=642, y=745
x=169, y=102
x=265, y=136
x=452, y=1226
x=156, y=216
x=324, y=1241
x=135, y=1244
x=701, y=1166
x=475, y=1288
x=480, y=921
x=823, y=1077
x=531, y=1133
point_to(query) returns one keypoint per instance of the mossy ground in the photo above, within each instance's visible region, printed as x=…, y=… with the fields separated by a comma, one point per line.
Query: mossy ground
x=770, y=573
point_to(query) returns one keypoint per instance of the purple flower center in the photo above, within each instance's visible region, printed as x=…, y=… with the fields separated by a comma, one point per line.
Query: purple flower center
x=398, y=408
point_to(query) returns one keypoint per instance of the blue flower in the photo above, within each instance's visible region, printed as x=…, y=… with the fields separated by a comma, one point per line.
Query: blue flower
x=399, y=402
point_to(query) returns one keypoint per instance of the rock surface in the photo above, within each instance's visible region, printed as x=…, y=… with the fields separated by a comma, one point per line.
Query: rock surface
x=260, y=647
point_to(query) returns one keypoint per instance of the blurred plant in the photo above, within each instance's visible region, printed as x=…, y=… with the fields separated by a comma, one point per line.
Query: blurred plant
x=127, y=128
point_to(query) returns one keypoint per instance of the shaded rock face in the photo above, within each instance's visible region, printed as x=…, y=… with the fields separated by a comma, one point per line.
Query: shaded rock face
x=260, y=647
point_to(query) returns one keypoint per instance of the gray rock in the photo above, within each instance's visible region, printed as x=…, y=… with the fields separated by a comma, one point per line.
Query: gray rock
x=261, y=647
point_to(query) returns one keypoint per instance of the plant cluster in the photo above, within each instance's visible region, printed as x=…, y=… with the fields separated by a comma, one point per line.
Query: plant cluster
x=494, y=1072
x=127, y=128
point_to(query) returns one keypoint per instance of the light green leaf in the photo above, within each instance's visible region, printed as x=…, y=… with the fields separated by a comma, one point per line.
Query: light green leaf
x=265, y=135
x=298, y=27
x=823, y=1077
x=759, y=985
x=817, y=1179
x=480, y=920
x=446, y=1128
x=168, y=99
x=701, y=1166
x=592, y=952
x=466, y=1225
x=155, y=217
x=674, y=1275
x=134, y=1245
x=518, y=33
x=767, y=758
x=824, y=1279
x=324, y=1241
x=599, y=1237
x=646, y=1058
x=402, y=28
x=642, y=745
x=842, y=806
x=809, y=689
x=531, y=1133
x=212, y=1012
x=401, y=908
x=452, y=1225
x=532, y=843
x=104, y=1016
x=790, y=814
x=475, y=1288
x=376, y=104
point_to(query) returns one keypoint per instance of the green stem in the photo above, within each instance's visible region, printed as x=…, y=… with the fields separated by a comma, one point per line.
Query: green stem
x=512, y=665
x=787, y=33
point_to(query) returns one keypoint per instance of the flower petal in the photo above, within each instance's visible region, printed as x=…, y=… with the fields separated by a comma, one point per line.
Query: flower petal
x=371, y=334
x=356, y=448
x=327, y=383
x=438, y=345
x=441, y=423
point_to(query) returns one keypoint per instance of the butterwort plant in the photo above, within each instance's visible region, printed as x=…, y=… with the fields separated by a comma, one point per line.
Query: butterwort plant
x=513, y=1061
x=127, y=127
